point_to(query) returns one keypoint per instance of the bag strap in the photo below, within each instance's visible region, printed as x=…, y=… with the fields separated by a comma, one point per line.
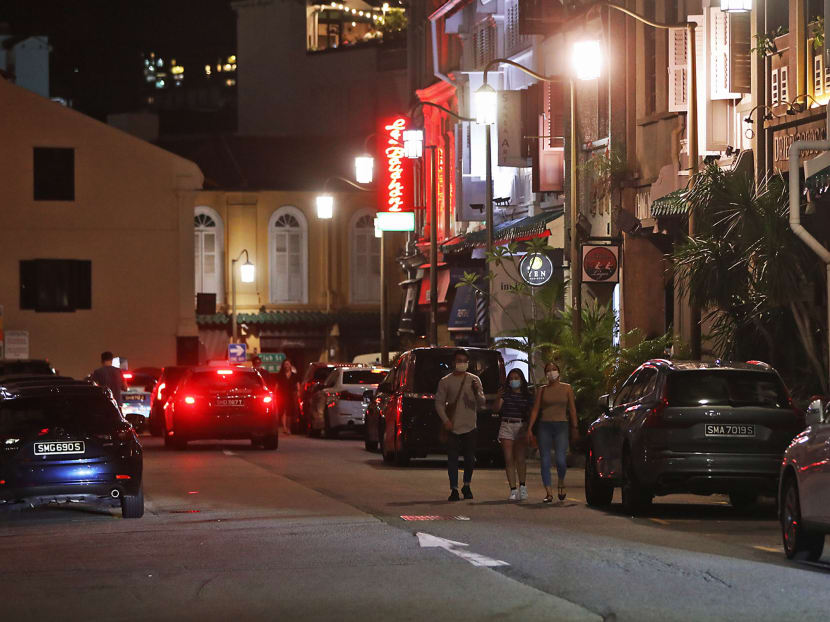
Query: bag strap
x=458, y=395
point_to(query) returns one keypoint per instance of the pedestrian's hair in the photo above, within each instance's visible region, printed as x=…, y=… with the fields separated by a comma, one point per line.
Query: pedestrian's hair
x=106, y=356
x=552, y=364
x=461, y=352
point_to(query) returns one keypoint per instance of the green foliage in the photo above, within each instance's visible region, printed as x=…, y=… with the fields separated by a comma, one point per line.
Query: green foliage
x=816, y=29
x=766, y=42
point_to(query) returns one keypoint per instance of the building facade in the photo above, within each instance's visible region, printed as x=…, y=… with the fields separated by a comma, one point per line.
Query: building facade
x=97, y=239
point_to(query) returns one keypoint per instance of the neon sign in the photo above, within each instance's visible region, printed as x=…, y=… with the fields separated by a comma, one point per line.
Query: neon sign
x=395, y=187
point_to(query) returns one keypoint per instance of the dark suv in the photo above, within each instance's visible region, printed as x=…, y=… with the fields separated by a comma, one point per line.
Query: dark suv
x=68, y=443
x=402, y=417
x=690, y=428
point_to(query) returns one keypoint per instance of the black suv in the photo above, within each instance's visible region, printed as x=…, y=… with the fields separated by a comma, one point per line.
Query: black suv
x=67, y=443
x=691, y=427
x=402, y=417
x=9, y=367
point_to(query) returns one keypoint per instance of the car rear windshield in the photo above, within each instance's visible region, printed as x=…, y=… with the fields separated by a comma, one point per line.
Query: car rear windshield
x=86, y=412
x=364, y=376
x=321, y=373
x=172, y=375
x=214, y=381
x=7, y=368
x=726, y=387
x=431, y=366
x=141, y=381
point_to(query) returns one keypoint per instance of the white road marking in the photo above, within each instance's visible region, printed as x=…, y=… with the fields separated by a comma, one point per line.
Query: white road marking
x=427, y=540
x=228, y=452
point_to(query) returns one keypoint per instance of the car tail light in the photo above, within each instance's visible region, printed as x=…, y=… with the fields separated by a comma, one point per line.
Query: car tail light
x=399, y=412
x=127, y=375
x=267, y=399
x=654, y=418
x=224, y=372
x=189, y=399
x=122, y=477
x=161, y=388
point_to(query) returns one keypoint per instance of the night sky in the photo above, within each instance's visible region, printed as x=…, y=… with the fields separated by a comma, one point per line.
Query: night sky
x=97, y=45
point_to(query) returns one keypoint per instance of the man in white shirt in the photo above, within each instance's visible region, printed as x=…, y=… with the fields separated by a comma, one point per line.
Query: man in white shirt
x=457, y=401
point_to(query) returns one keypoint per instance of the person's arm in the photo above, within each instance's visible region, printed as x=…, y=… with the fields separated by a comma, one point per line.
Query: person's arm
x=534, y=413
x=441, y=401
x=481, y=399
x=572, y=408
x=499, y=403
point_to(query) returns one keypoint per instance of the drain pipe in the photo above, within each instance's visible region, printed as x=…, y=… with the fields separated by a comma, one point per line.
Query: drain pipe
x=795, y=205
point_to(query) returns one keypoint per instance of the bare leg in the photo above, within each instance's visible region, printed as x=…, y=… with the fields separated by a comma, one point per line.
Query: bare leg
x=520, y=458
x=509, y=465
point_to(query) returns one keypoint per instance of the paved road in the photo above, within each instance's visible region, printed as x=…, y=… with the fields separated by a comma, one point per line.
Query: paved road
x=322, y=530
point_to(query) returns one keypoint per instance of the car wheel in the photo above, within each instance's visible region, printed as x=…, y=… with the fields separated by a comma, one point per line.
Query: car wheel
x=742, y=500
x=636, y=499
x=173, y=441
x=369, y=444
x=328, y=430
x=387, y=456
x=799, y=543
x=271, y=441
x=132, y=506
x=597, y=492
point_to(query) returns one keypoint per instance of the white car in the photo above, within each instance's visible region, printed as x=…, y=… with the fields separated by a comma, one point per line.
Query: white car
x=804, y=487
x=339, y=405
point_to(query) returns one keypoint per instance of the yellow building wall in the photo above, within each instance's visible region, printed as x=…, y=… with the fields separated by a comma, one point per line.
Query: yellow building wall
x=132, y=217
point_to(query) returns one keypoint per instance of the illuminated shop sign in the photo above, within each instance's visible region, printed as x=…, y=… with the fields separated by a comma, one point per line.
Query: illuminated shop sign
x=395, y=174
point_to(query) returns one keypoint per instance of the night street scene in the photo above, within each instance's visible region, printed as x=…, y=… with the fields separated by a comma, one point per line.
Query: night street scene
x=414, y=310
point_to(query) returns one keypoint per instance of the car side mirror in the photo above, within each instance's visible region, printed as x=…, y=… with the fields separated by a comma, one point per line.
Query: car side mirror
x=604, y=402
x=368, y=395
x=816, y=412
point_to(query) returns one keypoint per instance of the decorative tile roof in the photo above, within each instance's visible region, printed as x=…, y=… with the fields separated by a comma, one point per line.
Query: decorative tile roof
x=285, y=318
x=516, y=230
x=671, y=205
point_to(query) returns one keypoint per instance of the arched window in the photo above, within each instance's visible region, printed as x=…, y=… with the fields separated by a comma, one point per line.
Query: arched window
x=365, y=259
x=208, y=246
x=288, y=255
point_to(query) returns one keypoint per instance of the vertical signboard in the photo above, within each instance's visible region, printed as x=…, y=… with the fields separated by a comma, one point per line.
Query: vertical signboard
x=395, y=171
x=17, y=344
x=509, y=129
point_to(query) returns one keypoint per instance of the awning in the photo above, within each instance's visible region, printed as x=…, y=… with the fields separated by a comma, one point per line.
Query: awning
x=443, y=286
x=469, y=309
x=671, y=205
x=289, y=318
x=516, y=230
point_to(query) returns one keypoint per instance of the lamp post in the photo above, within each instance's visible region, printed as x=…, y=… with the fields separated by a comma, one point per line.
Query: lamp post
x=247, y=272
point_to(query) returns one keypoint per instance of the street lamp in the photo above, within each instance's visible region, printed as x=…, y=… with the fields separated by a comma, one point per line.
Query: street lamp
x=247, y=272
x=413, y=144
x=364, y=169
x=486, y=104
x=325, y=206
x=586, y=59
x=736, y=6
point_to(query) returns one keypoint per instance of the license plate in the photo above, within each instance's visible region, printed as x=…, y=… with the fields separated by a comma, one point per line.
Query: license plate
x=133, y=397
x=59, y=447
x=738, y=430
x=233, y=402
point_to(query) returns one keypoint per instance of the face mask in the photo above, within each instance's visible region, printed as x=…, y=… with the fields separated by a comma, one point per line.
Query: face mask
x=461, y=366
x=515, y=384
x=553, y=376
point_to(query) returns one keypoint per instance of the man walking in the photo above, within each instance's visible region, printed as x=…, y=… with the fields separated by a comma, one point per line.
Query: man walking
x=457, y=401
x=109, y=377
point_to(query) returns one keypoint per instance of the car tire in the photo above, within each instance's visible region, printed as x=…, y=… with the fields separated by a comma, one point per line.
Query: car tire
x=369, y=444
x=173, y=442
x=387, y=456
x=271, y=442
x=741, y=500
x=799, y=543
x=132, y=506
x=597, y=492
x=636, y=499
x=328, y=430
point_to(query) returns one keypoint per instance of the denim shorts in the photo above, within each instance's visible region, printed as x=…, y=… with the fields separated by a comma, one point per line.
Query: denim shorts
x=512, y=431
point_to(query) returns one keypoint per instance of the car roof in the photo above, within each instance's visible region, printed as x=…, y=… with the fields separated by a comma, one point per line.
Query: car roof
x=212, y=369
x=36, y=380
x=376, y=368
x=717, y=364
x=79, y=388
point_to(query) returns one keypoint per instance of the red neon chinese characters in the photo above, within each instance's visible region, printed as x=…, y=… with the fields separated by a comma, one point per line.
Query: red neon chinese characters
x=395, y=188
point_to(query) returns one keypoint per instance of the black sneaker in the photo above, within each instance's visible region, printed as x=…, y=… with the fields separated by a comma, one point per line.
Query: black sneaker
x=454, y=495
x=465, y=490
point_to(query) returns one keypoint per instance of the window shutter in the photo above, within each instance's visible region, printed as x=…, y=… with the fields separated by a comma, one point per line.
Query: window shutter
x=774, y=95
x=784, y=90
x=555, y=112
x=818, y=75
x=719, y=54
x=729, y=41
x=740, y=54
x=678, y=68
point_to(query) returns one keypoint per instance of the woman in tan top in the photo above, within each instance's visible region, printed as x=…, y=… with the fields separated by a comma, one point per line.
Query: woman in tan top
x=554, y=407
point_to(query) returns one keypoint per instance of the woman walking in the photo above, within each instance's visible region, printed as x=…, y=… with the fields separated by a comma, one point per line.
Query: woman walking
x=515, y=403
x=555, y=408
x=286, y=385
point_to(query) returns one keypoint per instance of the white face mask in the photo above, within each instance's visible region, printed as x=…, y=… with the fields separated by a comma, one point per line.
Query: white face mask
x=461, y=366
x=553, y=375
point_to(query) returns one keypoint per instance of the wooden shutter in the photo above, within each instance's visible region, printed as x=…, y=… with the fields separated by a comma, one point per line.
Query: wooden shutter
x=818, y=76
x=678, y=69
x=740, y=54
x=729, y=54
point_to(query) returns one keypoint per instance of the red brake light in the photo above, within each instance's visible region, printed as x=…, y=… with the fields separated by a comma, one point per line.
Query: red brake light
x=189, y=399
x=122, y=477
x=127, y=375
x=267, y=399
x=224, y=372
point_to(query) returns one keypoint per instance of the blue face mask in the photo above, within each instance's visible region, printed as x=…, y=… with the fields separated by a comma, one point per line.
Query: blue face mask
x=515, y=384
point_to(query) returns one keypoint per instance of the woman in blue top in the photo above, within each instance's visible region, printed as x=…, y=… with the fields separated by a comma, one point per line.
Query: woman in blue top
x=515, y=403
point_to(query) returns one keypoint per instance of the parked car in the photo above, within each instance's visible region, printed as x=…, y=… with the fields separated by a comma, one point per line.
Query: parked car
x=136, y=400
x=9, y=367
x=313, y=378
x=37, y=380
x=804, y=489
x=339, y=405
x=690, y=427
x=376, y=403
x=221, y=403
x=68, y=443
x=403, y=421
x=164, y=388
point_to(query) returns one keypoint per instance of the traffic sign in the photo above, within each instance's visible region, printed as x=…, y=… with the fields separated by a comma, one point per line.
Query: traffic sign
x=237, y=352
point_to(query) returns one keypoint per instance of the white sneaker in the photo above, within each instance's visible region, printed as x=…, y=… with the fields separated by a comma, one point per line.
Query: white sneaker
x=514, y=495
x=522, y=493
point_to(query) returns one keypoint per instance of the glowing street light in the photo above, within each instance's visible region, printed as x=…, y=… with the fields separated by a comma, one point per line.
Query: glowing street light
x=486, y=105
x=325, y=206
x=586, y=59
x=247, y=272
x=413, y=144
x=364, y=169
x=736, y=6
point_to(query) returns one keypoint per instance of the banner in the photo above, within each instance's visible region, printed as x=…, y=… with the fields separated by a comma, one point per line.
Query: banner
x=395, y=192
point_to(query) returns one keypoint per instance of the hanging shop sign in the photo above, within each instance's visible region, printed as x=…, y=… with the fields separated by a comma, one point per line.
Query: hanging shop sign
x=395, y=171
x=787, y=133
x=509, y=129
x=600, y=263
x=536, y=269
